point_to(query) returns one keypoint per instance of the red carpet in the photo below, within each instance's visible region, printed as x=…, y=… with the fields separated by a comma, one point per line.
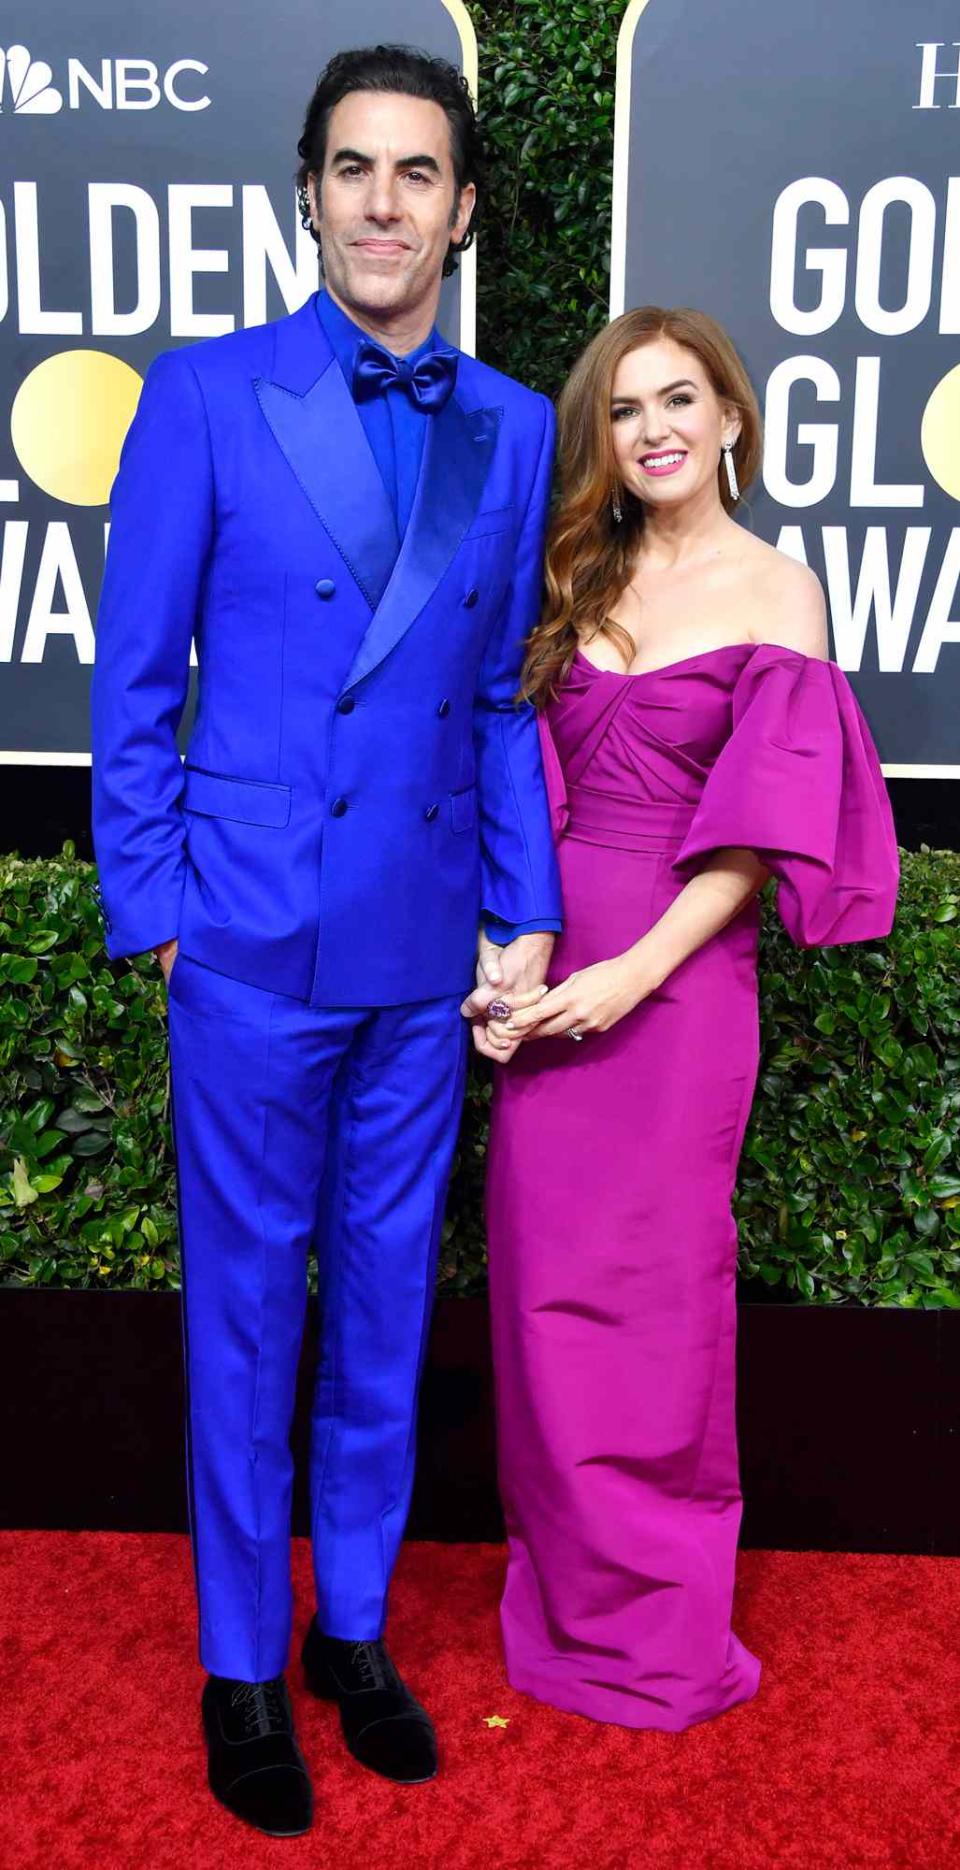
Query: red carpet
x=849, y=1756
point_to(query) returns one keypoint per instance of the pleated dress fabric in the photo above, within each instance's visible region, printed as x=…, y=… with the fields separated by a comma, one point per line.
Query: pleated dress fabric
x=612, y=1166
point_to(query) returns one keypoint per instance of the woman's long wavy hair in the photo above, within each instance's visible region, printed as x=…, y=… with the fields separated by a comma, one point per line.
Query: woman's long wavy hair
x=589, y=555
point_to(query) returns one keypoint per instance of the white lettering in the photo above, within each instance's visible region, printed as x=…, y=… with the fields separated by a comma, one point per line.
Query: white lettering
x=850, y=614
x=58, y=563
x=170, y=91
x=106, y=320
x=950, y=275
x=187, y=260
x=923, y=227
x=78, y=75
x=940, y=627
x=34, y=321
x=929, y=75
x=829, y=262
x=136, y=75
x=263, y=247
x=865, y=489
x=821, y=437
x=11, y=581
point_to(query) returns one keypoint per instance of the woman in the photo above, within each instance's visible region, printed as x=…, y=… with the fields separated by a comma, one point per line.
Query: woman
x=696, y=740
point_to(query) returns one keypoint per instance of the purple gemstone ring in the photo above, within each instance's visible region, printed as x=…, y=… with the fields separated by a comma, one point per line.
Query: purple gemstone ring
x=498, y=1009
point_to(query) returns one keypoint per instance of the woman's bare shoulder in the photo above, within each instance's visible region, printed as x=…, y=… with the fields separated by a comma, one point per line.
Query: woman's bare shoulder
x=787, y=605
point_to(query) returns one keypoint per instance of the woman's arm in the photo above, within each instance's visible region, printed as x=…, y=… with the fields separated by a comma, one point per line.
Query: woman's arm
x=594, y=998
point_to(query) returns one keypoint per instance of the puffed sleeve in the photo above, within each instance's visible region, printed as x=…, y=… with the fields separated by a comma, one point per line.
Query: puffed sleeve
x=799, y=782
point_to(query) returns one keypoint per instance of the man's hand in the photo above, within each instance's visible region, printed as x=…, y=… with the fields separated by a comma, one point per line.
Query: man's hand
x=166, y=953
x=514, y=974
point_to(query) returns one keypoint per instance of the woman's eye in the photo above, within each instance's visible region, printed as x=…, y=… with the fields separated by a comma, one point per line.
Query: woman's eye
x=623, y=409
x=680, y=400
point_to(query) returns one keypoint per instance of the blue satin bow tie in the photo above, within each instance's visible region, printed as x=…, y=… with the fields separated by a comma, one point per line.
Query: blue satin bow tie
x=429, y=383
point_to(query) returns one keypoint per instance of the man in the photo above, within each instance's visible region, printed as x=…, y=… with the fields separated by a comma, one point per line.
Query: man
x=347, y=515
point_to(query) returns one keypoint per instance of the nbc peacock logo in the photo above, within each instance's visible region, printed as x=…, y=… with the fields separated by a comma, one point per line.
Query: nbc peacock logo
x=26, y=85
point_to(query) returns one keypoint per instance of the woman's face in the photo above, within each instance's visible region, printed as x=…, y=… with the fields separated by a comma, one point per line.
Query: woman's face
x=668, y=424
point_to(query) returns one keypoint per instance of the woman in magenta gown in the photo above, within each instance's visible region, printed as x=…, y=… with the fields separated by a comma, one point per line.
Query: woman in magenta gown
x=696, y=741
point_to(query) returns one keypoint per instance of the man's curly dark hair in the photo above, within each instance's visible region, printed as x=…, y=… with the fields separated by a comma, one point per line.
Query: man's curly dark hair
x=414, y=74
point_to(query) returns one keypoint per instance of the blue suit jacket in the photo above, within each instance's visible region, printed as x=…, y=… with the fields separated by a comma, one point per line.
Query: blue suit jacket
x=360, y=781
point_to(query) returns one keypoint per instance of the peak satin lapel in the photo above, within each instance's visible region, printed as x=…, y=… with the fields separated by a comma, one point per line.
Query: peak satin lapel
x=456, y=458
x=322, y=437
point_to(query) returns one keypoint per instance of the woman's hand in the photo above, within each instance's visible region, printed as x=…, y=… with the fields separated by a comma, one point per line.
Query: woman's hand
x=592, y=1000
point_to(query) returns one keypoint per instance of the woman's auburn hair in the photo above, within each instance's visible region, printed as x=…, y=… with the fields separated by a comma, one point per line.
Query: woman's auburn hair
x=589, y=555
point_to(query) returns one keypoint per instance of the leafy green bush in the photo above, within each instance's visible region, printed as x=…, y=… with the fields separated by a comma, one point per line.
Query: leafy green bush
x=850, y=1181
x=546, y=96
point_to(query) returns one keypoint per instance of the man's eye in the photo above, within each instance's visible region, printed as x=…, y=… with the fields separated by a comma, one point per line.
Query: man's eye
x=350, y=169
x=416, y=175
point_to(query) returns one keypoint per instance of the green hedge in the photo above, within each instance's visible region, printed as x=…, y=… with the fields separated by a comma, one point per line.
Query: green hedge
x=546, y=96
x=849, y=1185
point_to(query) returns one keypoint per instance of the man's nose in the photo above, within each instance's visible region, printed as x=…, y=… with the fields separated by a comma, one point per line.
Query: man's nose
x=381, y=202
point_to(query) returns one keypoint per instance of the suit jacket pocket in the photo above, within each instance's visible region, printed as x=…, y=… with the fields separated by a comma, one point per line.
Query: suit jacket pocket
x=247, y=801
x=463, y=809
x=496, y=519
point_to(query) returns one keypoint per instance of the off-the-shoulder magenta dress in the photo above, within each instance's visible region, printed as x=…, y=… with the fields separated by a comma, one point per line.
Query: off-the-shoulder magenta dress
x=612, y=1163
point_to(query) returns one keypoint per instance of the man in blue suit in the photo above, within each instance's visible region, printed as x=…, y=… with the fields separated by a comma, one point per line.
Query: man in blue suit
x=346, y=514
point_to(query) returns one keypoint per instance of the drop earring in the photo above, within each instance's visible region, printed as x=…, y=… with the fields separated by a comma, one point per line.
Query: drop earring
x=617, y=510
x=728, y=461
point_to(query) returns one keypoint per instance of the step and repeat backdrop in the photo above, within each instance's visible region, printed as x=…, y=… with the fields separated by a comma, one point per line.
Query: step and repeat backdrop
x=147, y=156
x=784, y=165
x=793, y=167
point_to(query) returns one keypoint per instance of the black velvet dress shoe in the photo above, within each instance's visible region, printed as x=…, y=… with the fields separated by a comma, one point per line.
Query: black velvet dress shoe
x=255, y=1767
x=384, y=1727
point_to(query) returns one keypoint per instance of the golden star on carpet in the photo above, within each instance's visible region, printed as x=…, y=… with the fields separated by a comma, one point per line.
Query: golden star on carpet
x=495, y=1720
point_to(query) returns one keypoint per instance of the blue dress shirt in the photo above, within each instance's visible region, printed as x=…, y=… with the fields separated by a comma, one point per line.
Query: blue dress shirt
x=396, y=430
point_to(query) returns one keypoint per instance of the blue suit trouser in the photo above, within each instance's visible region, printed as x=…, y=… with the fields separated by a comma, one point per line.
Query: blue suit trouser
x=297, y=1127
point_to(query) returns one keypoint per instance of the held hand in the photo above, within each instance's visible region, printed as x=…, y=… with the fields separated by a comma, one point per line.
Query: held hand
x=490, y=1036
x=166, y=953
x=488, y=977
x=502, y=973
x=591, y=1000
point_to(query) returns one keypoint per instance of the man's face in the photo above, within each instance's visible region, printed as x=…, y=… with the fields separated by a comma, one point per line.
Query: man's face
x=386, y=205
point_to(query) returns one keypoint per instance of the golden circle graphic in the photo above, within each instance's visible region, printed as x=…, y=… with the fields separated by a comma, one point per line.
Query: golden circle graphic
x=68, y=422
x=940, y=433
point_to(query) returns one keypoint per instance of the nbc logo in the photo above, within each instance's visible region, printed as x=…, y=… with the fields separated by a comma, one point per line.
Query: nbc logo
x=26, y=84
x=27, y=87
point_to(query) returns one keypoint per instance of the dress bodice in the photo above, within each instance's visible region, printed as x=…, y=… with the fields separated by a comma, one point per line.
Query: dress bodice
x=749, y=745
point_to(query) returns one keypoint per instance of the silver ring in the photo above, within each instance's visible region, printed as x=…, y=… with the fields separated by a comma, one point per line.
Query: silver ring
x=573, y=1032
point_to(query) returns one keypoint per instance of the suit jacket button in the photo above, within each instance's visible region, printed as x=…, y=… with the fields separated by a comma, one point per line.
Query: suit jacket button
x=472, y=597
x=324, y=587
x=431, y=813
x=338, y=808
x=346, y=704
x=443, y=710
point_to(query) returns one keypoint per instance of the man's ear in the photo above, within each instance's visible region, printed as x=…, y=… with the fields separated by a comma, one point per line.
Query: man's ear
x=463, y=209
x=313, y=196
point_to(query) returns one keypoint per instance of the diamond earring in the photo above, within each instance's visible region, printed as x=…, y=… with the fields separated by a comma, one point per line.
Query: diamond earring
x=617, y=510
x=728, y=461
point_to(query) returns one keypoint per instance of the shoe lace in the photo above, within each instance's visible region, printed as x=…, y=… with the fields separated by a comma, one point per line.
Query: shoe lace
x=374, y=1665
x=262, y=1705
